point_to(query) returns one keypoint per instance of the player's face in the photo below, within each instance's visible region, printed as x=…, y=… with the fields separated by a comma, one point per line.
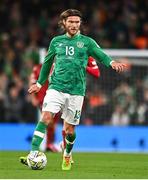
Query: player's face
x=72, y=25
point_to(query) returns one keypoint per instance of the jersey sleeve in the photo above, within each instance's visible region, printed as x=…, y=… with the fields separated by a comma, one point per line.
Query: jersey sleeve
x=47, y=64
x=92, y=67
x=96, y=52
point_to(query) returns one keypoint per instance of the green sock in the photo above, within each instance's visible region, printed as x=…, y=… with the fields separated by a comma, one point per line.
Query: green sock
x=69, y=142
x=38, y=135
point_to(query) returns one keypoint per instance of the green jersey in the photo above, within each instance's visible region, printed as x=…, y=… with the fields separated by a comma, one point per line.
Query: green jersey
x=71, y=58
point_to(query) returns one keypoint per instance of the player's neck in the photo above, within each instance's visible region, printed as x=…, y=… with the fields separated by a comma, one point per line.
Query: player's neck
x=69, y=35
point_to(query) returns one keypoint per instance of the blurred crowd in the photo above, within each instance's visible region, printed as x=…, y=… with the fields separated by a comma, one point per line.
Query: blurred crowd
x=28, y=25
x=115, y=99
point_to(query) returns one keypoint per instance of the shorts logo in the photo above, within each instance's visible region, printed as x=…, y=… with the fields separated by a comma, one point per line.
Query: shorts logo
x=80, y=44
x=44, y=105
x=77, y=115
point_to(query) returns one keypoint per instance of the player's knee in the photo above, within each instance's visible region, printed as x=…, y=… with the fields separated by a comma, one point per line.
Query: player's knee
x=47, y=118
x=69, y=130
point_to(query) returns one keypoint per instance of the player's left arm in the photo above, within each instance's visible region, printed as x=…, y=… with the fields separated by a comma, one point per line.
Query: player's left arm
x=92, y=67
x=96, y=52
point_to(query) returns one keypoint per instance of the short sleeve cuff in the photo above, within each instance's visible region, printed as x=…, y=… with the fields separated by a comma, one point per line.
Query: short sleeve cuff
x=38, y=85
x=111, y=62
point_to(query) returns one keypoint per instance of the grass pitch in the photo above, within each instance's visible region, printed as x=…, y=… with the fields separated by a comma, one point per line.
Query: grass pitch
x=86, y=166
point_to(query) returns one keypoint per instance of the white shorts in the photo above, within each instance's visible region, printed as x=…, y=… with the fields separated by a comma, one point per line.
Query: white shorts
x=69, y=105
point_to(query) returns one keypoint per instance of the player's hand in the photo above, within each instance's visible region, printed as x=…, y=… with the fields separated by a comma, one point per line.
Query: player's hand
x=34, y=89
x=118, y=66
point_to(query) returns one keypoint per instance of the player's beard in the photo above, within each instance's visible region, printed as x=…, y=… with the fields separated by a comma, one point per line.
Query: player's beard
x=72, y=31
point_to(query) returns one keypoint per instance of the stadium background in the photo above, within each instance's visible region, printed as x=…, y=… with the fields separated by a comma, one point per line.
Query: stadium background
x=115, y=113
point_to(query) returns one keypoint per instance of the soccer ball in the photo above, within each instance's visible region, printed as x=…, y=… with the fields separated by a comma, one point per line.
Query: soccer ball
x=37, y=160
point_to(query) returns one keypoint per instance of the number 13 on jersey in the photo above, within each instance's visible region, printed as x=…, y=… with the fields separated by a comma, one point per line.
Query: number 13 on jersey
x=70, y=50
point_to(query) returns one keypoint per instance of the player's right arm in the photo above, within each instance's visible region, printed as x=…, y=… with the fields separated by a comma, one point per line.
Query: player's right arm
x=44, y=73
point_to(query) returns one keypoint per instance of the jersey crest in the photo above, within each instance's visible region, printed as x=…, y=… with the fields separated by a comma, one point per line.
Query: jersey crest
x=80, y=44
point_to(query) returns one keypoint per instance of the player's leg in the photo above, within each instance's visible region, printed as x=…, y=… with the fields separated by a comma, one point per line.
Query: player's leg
x=40, y=130
x=63, y=143
x=71, y=115
x=70, y=138
x=51, y=106
x=39, y=134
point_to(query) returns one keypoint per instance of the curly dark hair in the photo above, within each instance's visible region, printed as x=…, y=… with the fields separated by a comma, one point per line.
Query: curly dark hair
x=69, y=12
